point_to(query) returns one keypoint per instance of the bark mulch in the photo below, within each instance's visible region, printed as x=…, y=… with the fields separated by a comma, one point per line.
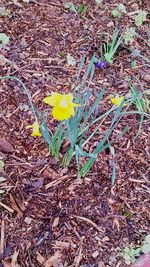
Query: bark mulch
x=48, y=216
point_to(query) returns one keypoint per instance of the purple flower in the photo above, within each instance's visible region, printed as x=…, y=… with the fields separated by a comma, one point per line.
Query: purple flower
x=101, y=64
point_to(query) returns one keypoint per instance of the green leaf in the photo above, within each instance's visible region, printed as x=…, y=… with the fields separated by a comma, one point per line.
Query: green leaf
x=129, y=35
x=4, y=39
x=71, y=60
x=146, y=245
x=82, y=9
x=130, y=253
x=111, y=48
x=116, y=13
x=140, y=17
x=4, y=12
x=70, y=6
x=122, y=8
x=133, y=63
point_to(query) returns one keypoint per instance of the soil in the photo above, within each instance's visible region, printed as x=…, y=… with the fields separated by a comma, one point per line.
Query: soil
x=48, y=216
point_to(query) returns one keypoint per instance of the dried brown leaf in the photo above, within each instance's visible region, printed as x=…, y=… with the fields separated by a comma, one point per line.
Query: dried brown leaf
x=53, y=261
x=5, y=146
x=11, y=262
x=55, y=222
x=15, y=206
x=40, y=258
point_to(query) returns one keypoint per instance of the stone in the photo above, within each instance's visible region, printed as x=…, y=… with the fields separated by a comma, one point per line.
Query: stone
x=95, y=254
x=5, y=146
x=101, y=264
x=27, y=220
x=110, y=24
x=146, y=77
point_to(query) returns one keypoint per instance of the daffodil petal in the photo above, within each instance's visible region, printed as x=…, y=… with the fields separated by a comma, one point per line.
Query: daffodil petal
x=36, y=129
x=68, y=97
x=61, y=114
x=53, y=99
x=117, y=100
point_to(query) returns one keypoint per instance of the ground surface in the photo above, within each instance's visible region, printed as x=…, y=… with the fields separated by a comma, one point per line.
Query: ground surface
x=48, y=211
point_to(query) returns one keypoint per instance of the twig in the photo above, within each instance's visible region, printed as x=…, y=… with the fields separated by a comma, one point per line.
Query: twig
x=2, y=237
x=6, y=207
x=42, y=4
x=55, y=182
x=78, y=259
x=136, y=67
x=90, y=222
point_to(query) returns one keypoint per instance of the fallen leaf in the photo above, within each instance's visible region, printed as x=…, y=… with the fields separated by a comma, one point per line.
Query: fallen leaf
x=12, y=261
x=55, y=222
x=71, y=60
x=7, y=263
x=101, y=264
x=15, y=206
x=62, y=244
x=5, y=146
x=53, y=261
x=40, y=258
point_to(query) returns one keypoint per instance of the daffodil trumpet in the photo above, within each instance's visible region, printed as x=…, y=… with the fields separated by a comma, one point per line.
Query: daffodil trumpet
x=63, y=107
x=35, y=128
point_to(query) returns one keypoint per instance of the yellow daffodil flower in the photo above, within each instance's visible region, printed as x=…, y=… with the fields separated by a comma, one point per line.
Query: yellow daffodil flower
x=35, y=129
x=63, y=107
x=117, y=100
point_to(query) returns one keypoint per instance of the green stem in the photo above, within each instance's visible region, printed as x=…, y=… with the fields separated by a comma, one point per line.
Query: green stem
x=24, y=88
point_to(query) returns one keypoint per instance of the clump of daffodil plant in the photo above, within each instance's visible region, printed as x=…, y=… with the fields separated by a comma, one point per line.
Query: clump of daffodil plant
x=77, y=121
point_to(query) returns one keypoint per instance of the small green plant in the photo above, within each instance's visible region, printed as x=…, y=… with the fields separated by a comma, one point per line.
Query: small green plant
x=145, y=248
x=141, y=102
x=119, y=10
x=127, y=213
x=131, y=253
x=110, y=48
x=140, y=17
x=129, y=35
x=82, y=9
x=71, y=7
x=4, y=39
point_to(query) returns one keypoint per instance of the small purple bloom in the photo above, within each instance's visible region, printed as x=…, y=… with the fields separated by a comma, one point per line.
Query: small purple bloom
x=101, y=65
